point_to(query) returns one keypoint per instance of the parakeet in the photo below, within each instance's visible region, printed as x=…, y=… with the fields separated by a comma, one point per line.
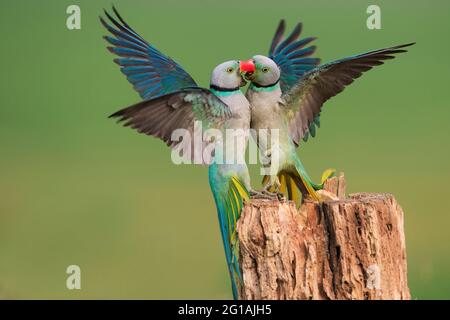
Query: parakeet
x=287, y=92
x=174, y=101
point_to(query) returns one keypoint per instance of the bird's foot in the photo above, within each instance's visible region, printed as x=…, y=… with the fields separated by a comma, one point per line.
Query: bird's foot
x=281, y=196
x=264, y=194
x=276, y=194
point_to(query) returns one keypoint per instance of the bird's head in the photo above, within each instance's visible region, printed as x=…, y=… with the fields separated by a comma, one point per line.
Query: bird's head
x=228, y=75
x=266, y=71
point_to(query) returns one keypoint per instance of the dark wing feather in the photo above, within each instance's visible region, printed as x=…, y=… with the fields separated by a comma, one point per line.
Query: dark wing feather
x=304, y=101
x=161, y=116
x=292, y=56
x=278, y=36
x=149, y=71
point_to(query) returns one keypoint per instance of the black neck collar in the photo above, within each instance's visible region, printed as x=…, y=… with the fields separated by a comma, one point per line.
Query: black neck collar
x=217, y=88
x=257, y=85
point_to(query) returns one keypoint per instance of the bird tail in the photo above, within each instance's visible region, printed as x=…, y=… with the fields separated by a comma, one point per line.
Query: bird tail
x=229, y=203
x=295, y=182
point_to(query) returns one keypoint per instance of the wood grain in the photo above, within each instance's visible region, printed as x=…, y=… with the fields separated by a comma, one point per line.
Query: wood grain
x=344, y=248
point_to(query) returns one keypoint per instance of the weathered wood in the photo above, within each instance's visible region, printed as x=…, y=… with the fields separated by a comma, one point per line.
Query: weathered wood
x=344, y=248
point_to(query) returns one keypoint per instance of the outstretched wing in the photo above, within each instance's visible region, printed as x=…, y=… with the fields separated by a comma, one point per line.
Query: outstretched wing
x=161, y=116
x=292, y=55
x=149, y=71
x=304, y=101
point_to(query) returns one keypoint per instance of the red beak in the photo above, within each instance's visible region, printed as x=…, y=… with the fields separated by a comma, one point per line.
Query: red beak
x=247, y=66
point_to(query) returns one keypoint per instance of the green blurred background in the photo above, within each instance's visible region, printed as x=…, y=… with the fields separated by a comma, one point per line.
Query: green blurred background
x=75, y=188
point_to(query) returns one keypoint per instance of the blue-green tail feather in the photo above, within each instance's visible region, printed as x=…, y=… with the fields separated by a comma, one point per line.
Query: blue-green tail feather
x=229, y=194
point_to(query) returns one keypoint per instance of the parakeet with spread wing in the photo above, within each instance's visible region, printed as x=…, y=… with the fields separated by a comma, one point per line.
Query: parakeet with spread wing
x=174, y=101
x=287, y=92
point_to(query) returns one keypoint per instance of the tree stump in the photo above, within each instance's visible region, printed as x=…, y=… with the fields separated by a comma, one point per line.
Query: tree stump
x=343, y=248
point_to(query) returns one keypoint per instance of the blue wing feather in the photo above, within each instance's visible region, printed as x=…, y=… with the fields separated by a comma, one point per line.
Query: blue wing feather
x=292, y=55
x=294, y=46
x=149, y=71
x=292, y=37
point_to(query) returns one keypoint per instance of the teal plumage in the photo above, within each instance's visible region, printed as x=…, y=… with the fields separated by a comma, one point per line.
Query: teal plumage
x=229, y=195
x=292, y=55
x=287, y=93
x=230, y=183
x=149, y=71
x=172, y=100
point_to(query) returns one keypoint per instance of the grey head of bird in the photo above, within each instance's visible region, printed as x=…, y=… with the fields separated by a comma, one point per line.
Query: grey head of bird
x=228, y=75
x=266, y=73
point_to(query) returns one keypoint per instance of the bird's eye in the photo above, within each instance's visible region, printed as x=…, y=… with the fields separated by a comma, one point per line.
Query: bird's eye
x=230, y=70
x=265, y=69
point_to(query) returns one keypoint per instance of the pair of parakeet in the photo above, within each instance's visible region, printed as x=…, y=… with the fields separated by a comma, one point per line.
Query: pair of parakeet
x=286, y=94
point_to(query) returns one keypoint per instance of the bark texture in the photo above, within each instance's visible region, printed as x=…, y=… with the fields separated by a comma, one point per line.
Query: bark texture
x=344, y=248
